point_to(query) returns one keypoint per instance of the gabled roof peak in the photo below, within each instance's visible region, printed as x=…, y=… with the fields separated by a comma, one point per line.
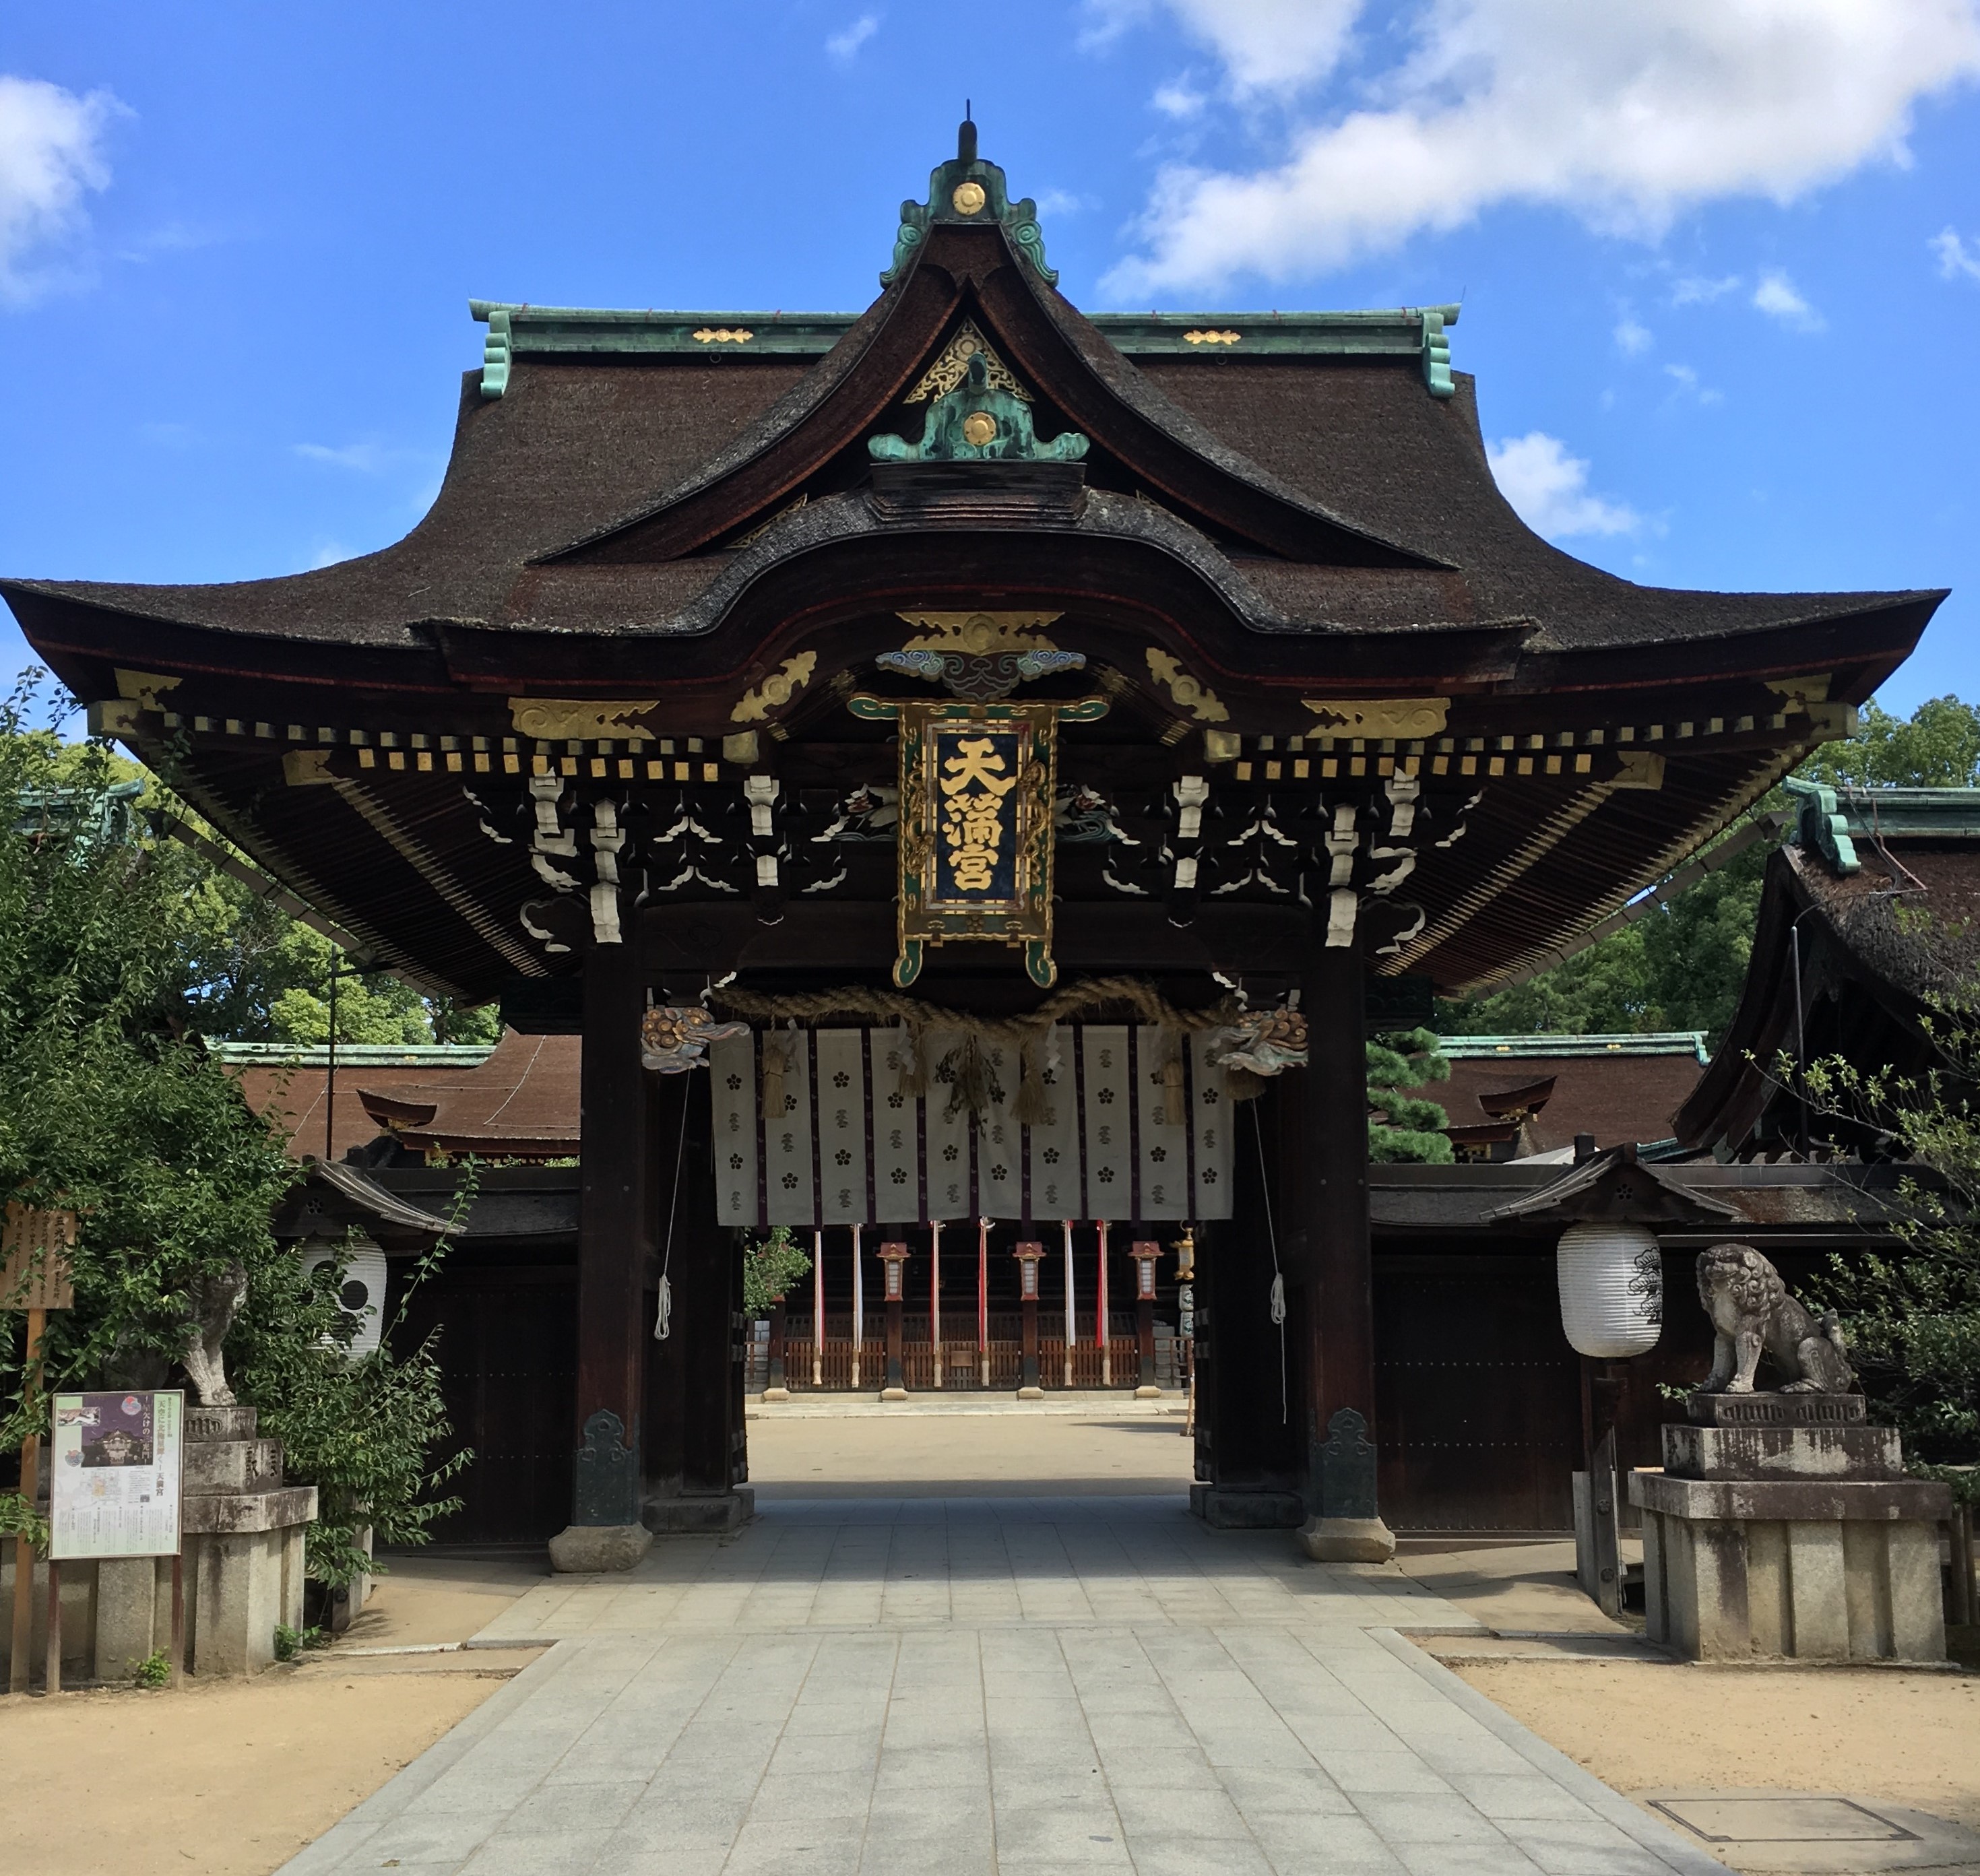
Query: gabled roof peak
x=969, y=193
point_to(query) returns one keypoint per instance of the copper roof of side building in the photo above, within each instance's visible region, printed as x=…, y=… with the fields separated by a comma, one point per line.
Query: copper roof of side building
x=668, y=546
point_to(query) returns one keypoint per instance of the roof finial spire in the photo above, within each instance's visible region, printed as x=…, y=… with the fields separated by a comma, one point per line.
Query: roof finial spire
x=966, y=137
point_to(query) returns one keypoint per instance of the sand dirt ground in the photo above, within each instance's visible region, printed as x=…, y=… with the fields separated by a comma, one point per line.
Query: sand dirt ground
x=968, y=1456
x=232, y=1778
x=1908, y=1739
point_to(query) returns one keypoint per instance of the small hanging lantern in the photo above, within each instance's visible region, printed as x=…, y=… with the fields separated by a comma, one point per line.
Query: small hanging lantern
x=893, y=1255
x=1028, y=1255
x=1611, y=1278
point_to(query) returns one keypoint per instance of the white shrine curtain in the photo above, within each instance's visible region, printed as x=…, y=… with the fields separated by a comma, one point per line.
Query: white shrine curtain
x=850, y=1148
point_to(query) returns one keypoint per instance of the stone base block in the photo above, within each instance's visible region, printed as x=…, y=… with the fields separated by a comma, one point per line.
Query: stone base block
x=776, y=1394
x=893, y=1393
x=1800, y=1589
x=592, y=1549
x=239, y=1585
x=1031, y=1393
x=1348, y=1540
x=1147, y=1393
x=718, y=1511
x=1223, y=1510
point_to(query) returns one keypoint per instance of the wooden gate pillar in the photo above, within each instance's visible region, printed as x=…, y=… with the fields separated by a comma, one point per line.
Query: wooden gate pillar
x=615, y=1232
x=1343, y=1523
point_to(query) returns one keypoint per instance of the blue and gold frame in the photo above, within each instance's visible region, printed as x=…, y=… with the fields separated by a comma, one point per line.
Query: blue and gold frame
x=978, y=782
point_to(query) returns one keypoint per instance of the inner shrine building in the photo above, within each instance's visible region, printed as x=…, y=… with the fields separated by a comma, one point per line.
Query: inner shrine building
x=971, y=773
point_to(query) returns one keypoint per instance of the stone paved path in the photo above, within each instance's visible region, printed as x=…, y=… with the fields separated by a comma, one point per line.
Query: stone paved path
x=990, y=1688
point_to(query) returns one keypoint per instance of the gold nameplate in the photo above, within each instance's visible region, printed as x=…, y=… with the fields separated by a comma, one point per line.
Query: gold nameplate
x=977, y=782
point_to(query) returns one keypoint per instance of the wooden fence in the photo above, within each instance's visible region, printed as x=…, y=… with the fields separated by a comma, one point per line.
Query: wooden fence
x=963, y=1363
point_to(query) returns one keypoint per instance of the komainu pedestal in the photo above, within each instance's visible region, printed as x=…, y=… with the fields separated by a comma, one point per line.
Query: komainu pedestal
x=244, y=1540
x=1783, y=1526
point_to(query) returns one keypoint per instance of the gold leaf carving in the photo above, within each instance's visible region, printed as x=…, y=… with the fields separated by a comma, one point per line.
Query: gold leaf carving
x=304, y=768
x=723, y=335
x=1796, y=693
x=145, y=688
x=1198, y=699
x=1212, y=338
x=1414, y=717
x=979, y=633
x=776, y=690
x=952, y=367
x=551, y=720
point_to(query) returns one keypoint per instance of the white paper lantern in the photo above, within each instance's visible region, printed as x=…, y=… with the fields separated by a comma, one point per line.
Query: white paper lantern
x=362, y=1294
x=1612, y=1290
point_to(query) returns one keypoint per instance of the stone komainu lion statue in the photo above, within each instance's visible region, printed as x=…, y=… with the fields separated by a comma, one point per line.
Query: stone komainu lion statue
x=1751, y=1308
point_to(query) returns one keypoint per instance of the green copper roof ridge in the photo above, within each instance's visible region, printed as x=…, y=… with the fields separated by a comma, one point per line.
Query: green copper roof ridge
x=1542, y=1044
x=967, y=192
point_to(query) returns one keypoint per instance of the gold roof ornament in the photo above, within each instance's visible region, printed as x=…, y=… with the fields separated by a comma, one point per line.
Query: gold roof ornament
x=950, y=369
x=1414, y=717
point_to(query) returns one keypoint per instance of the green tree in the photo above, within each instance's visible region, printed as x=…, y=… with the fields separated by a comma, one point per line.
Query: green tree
x=111, y=1106
x=1683, y=965
x=1937, y=747
x=770, y=1266
x=1912, y=1321
x=1404, y=1127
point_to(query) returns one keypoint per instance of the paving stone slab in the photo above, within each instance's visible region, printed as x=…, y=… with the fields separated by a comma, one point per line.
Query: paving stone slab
x=1015, y=1688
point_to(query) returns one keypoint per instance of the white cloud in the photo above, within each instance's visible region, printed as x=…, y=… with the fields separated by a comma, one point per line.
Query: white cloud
x=843, y=45
x=1694, y=291
x=1061, y=203
x=326, y=553
x=1632, y=336
x=1779, y=298
x=1685, y=378
x=1265, y=45
x=1178, y=99
x=1954, y=257
x=1625, y=114
x=51, y=157
x=1549, y=489
x=367, y=458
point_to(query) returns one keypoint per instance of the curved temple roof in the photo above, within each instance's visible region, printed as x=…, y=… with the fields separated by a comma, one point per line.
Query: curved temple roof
x=654, y=520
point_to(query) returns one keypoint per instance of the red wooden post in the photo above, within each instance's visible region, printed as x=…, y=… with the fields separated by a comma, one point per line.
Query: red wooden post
x=983, y=1297
x=934, y=1295
x=1028, y=1254
x=1100, y=1315
x=1144, y=1252
x=817, y=1309
x=893, y=1255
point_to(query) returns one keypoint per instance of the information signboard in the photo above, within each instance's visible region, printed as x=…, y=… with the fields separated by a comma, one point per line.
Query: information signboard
x=116, y=1474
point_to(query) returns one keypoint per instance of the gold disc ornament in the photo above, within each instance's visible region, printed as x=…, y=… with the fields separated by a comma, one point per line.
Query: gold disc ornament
x=978, y=428
x=968, y=198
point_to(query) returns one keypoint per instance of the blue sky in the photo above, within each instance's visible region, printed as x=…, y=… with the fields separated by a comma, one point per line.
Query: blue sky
x=1720, y=264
